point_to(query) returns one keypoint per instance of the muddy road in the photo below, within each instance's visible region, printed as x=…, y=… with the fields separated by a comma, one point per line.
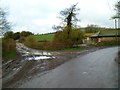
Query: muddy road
x=32, y=64
x=94, y=70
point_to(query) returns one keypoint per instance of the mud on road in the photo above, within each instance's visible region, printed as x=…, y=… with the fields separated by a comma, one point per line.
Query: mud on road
x=20, y=70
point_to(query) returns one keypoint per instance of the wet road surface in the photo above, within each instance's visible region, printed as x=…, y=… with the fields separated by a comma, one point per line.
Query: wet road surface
x=94, y=70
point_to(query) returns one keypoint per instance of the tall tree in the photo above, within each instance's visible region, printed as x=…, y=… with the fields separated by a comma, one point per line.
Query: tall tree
x=69, y=18
x=69, y=15
x=4, y=24
x=69, y=35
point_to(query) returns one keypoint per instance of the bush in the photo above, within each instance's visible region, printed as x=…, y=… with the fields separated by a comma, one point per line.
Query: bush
x=30, y=41
x=16, y=36
x=75, y=37
x=8, y=44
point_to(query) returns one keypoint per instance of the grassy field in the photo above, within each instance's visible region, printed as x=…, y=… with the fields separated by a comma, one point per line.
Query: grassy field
x=44, y=37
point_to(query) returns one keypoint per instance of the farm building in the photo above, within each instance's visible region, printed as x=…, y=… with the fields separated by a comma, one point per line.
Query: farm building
x=105, y=35
x=87, y=37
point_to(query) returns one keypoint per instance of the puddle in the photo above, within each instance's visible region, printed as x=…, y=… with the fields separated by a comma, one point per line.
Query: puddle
x=46, y=53
x=39, y=57
x=25, y=54
x=42, y=53
x=37, y=53
x=31, y=54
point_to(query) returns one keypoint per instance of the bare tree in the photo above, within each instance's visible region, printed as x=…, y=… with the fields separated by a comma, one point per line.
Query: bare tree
x=4, y=24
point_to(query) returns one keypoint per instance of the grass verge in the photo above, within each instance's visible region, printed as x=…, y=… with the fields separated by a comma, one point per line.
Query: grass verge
x=7, y=55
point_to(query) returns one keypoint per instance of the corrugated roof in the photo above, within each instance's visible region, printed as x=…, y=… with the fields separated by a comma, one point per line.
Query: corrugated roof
x=107, y=33
x=96, y=34
x=88, y=34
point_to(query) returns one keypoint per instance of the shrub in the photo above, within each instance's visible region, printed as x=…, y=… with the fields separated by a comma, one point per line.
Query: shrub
x=75, y=37
x=8, y=44
x=30, y=41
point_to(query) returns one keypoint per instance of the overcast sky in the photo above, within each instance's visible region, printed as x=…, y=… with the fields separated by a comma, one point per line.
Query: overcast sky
x=38, y=16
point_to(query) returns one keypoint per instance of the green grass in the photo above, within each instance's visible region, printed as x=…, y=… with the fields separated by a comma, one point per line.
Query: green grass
x=0, y=39
x=44, y=37
x=0, y=47
x=7, y=55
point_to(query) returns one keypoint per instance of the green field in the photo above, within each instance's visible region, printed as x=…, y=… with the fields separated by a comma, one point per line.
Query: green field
x=44, y=37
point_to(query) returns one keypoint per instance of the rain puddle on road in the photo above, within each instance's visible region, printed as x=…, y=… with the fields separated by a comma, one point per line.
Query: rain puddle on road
x=39, y=58
x=37, y=55
x=42, y=53
x=32, y=54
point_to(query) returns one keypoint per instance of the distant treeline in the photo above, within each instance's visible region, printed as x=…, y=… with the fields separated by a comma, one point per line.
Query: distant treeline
x=17, y=35
x=94, y=29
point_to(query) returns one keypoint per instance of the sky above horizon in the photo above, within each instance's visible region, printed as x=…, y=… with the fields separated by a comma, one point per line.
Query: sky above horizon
x=38, y=16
